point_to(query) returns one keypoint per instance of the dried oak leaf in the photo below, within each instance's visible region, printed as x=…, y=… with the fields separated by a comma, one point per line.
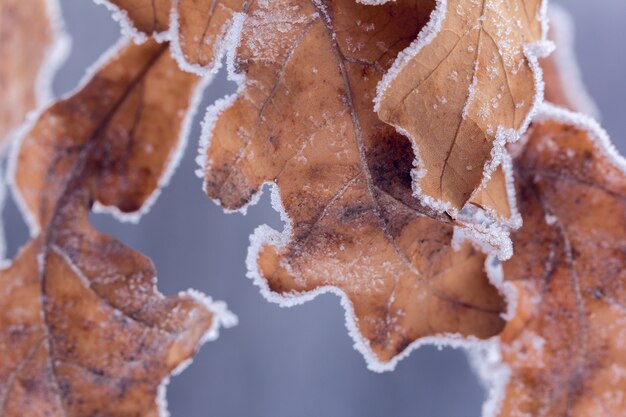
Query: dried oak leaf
x=466, y=86
x=83, y=329
x=197, y=28
x=201, y=31
x=31, y=44
x=565, y=347
x=303, y=121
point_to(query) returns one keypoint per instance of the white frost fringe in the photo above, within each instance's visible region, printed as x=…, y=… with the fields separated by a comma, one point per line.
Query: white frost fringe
x=562, y=26
x=56, y=55
x=600, y=137
x=232, y=41
x=222, y=318
x=494, y=374
x=126, y=25
x=489, y=232
x=266, y=235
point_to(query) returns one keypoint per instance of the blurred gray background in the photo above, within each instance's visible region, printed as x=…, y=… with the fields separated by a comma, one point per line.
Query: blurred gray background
x=297, y=362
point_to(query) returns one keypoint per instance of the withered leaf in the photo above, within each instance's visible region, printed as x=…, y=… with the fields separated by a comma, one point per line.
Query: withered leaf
x=197, y=28
x=87, y=333
x=492, y=212
x=304, y=122
x=136, y=109
x=30, y=40
x=565, y=347
x=83, y=330
x=496, y=194
x=463, y=89
x=200, y=33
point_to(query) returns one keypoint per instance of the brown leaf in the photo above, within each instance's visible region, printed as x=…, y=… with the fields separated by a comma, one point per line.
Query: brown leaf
x=304, y=121
x=83, y=330
x=495, y=195
x=30, y=43
x=200, y=33
x=492, y=213
x=132, y=115
x=198, y=30
x=463, y=89
x=88, y=334
x=565, y=347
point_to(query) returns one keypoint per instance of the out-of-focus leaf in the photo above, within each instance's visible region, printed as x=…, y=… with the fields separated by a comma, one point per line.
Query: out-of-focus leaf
x=565, y=347
x=28, y=37
x=83, y=330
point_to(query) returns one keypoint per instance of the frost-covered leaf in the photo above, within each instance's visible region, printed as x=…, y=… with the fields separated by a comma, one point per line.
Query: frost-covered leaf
x=197, y=28
x=492, y=212
x=494, y=195
x=304, y=122
x=202, y=30
x=137, y=109
x=466, y=86
x=83, y=330
x=30, y=46
x=566, y=346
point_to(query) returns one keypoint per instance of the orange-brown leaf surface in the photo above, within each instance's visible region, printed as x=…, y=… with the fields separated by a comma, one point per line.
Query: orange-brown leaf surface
x=304, y=121
x=565, y=347
x=198, y=30
x=27, y=36
x=495, y=195
x=83, y=330
x=135, y=108
x=200, y=33
x=463, y=89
